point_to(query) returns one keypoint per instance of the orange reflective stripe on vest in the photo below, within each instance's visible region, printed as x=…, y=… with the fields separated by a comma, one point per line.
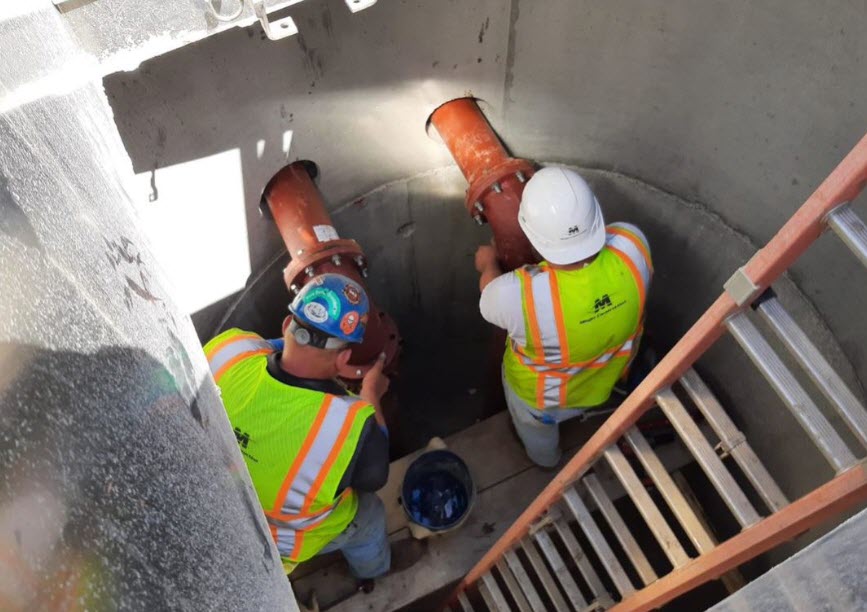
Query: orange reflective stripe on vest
x=292, y=514
x=233, y=350
x=581, y=327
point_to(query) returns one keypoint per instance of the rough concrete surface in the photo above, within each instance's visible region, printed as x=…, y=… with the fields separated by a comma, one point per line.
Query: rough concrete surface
x=826, y=576
x=707, y=124
x=742, y=107
x=121, y=484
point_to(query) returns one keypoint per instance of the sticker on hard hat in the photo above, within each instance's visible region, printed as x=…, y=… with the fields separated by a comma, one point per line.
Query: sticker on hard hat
x=316, y=312
x=324, y=294
x=352, y=294
x=349, y=322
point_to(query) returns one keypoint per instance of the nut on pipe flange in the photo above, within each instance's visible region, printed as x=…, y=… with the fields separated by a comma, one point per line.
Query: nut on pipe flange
x=496, y=179
x=292, y=199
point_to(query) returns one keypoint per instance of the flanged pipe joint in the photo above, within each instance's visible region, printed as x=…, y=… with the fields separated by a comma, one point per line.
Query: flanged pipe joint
x=293, y=201
x=496, y=179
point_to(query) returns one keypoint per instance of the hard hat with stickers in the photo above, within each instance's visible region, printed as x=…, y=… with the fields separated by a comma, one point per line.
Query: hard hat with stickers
x=330, y=311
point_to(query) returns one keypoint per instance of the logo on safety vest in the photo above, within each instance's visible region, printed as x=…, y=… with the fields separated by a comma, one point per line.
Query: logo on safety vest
x=243, y=437
x=602, y=303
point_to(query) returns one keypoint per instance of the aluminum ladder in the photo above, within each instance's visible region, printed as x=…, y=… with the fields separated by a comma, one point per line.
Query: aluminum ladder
x=539, y=563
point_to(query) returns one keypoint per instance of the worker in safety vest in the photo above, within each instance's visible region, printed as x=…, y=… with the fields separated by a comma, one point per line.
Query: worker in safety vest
x=575, y=320
x=315, y=453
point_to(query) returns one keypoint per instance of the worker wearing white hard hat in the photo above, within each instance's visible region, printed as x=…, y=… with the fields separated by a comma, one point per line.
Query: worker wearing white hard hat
x=575, y=320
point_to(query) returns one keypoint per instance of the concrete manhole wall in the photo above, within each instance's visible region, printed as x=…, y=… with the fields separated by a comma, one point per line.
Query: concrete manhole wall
x=706, y=125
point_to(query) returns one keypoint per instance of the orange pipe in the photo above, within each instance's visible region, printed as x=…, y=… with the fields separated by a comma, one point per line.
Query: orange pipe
x=844, y=183
x=294, y=202
x=496, y=179
x=469, y=137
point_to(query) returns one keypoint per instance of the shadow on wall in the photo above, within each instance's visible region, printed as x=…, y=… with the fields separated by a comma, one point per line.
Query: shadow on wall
x=351, y=91
x=97, y=500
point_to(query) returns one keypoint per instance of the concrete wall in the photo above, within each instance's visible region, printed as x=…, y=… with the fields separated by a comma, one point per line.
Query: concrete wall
x=121, y=484
x=828, y=575
x=739, y=108
x=706, y=123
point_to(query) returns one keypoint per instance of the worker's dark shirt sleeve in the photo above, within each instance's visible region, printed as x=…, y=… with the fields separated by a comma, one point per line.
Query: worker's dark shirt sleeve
x=368, y=468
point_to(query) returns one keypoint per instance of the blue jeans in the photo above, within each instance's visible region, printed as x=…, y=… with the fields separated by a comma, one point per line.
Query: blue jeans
x=364, y=542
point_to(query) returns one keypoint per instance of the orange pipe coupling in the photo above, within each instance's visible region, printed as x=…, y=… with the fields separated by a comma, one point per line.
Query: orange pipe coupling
x=496, y=179
x=293, y=201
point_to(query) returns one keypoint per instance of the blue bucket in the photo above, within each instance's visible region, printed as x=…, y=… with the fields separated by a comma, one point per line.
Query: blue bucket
x=438, y=491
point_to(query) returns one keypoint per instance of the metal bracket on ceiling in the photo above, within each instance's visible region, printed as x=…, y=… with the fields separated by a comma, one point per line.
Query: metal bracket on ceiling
x=274, y=30
x=359, y=5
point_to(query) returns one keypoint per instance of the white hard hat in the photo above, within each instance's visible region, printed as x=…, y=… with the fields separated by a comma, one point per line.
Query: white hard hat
x=561, y=217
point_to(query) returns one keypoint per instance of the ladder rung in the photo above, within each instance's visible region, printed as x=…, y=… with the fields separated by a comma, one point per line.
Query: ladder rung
x=512, y=585
x=851, y=230
x=543, y=574
x=598, y=542
x=488, y=598
x=583, y=563
x=466, y=606
x=674, y=497
x=707, y=458
x=733, y=440
x=642, y=500
x=818, y=368
x=523, y=579
x=496, y=600
x=790, y=391
x=621, y=532
x=560, y=570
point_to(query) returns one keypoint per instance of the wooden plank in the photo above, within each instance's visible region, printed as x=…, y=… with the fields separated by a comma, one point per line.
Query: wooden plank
x=581, y=561
x=598, y=542
x=491, y=452
x=520, y=573
x=451, y=555
x=796, y=235
x=545, y=577
x=512, y=585
x=570, y=587
x=621, y=531
x=844, y=491
x=498, y=600
x=489, y=448
x=732, y=580
x=465, y=604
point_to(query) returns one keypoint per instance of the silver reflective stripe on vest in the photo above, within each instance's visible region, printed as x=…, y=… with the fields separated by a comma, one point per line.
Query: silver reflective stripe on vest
x=543, y=368
x=287, y=530
x=326, y=439
x=235, y=348
x=628, y=248
x=540, y=285
x=288, y=524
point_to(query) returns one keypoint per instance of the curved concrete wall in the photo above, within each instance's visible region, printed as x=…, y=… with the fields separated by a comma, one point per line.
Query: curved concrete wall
x=708, y=124
x=121, y=483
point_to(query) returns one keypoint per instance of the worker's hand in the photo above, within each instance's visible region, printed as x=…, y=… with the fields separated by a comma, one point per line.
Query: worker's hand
x=485, y=256
x=374, y=384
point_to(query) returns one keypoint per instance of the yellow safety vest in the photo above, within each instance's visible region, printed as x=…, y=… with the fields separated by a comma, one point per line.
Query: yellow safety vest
x=582, y=327
x=297, y=444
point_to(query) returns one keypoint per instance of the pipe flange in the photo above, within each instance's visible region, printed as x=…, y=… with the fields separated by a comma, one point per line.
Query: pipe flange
x=513, y=169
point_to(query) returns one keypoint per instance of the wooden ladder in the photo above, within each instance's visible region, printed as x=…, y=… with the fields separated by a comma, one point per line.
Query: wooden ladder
x=529, y=567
